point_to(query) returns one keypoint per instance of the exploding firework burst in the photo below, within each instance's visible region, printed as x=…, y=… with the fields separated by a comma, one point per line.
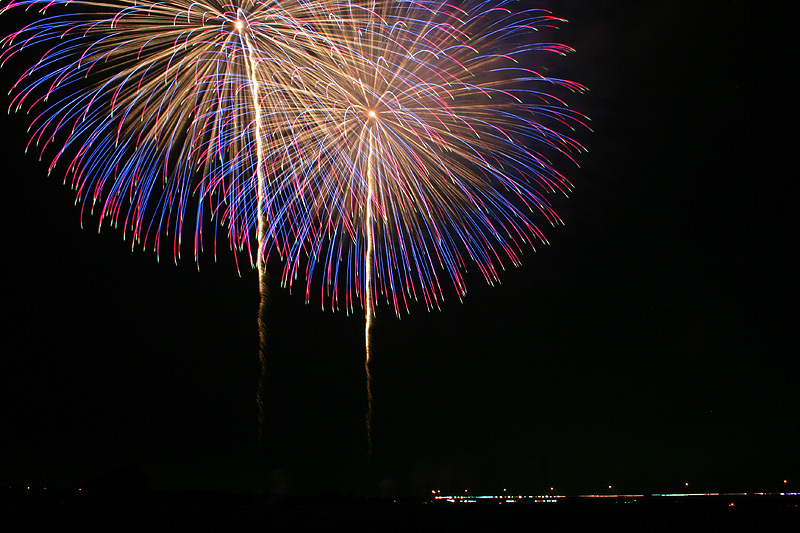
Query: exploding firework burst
x=148, y=107
x=416, y=144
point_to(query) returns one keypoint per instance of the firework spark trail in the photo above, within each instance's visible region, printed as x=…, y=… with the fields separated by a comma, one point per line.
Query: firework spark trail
x=243, y=27
x=369, y=308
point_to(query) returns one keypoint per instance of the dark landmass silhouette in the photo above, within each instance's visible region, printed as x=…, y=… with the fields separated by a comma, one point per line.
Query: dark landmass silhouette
x=106, y=503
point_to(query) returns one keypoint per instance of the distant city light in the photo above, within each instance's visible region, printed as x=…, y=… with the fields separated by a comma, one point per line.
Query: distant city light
x=625, y=498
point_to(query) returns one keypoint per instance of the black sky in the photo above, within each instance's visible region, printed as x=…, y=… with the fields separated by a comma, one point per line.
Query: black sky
x=651, y=344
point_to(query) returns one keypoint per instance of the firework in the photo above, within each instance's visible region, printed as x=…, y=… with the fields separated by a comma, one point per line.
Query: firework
x=153, y=111
x=421, y=138
x=151, y=108
x=416, y=145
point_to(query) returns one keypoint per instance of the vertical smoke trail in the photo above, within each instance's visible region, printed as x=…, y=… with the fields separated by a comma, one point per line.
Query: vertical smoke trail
x=241, y=26
x=368, y=307
x=262, y=338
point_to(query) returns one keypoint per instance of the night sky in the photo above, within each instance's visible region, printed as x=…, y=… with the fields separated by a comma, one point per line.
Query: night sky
x=653, y=343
